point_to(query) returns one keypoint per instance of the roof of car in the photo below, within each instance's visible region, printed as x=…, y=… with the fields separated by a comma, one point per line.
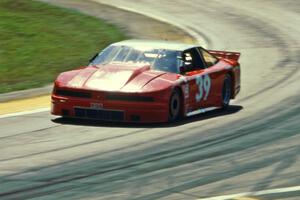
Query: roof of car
x=157, y=44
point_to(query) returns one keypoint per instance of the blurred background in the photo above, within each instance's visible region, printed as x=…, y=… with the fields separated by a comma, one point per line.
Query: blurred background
x=251, y=151
x=38, y=41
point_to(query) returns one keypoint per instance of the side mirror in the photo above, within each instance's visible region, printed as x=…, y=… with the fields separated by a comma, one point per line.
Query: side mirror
x=182, y=69
x=185, y=68
x=93, y=58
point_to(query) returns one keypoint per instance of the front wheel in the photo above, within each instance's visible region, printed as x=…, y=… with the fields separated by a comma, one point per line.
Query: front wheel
x=226, y=91
x=174, y=106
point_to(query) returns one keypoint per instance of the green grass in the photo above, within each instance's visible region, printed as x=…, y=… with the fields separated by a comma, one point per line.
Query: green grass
x=38, y=41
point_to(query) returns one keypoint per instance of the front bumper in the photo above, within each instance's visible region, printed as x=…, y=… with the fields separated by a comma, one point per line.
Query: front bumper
x=106, y=110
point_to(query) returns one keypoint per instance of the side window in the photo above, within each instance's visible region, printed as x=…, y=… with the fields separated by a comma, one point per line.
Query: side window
x=209, y=59
x=192, y=57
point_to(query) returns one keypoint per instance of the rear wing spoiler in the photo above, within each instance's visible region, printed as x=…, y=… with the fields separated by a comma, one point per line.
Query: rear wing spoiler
x=226, y=54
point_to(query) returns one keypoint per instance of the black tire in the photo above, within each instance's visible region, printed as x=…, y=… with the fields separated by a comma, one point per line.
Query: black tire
x=175, y=106
x=226, y=91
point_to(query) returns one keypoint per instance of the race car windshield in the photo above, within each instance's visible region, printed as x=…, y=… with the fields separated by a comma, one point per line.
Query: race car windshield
x=158, y=59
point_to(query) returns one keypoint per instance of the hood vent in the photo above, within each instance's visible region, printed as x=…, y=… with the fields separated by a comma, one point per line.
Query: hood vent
x=117, y=97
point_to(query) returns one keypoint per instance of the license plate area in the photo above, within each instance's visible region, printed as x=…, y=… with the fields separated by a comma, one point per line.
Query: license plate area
x=99, y=114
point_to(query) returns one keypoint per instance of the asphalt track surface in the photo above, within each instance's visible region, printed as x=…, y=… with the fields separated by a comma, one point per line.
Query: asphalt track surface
x=254, y=146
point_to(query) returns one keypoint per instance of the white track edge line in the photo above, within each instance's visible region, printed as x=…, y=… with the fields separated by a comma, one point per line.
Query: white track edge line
x=257, y=193
x=24, y=112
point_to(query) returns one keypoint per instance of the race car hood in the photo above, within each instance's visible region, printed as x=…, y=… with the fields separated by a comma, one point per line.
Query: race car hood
x=125, y=78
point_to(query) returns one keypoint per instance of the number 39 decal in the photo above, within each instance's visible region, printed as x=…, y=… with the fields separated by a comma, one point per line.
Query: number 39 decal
x=203, y=83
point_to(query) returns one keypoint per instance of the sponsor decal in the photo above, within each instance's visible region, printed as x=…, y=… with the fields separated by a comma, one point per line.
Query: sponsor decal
x=203, y=82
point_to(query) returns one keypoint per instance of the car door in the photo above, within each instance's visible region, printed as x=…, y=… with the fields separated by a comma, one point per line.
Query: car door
x=215, y=73
x=202, y=80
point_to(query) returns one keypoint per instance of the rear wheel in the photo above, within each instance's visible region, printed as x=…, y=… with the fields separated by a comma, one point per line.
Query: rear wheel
x=226, y=91
x=174, y=106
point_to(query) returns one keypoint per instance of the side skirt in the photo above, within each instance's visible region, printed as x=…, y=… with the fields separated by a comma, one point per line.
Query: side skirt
x=201, y=110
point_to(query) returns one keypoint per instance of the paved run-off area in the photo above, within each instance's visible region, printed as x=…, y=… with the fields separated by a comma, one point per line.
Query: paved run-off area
x=254, y=146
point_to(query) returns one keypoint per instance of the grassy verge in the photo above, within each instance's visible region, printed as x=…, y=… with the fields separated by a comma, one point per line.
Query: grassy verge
x=38, y=41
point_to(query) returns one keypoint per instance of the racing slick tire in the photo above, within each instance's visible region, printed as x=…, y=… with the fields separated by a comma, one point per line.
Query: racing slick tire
x=175, y=106
x=226, y=91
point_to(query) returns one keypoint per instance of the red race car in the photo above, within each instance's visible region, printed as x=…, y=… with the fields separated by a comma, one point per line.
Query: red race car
x=148, y=81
